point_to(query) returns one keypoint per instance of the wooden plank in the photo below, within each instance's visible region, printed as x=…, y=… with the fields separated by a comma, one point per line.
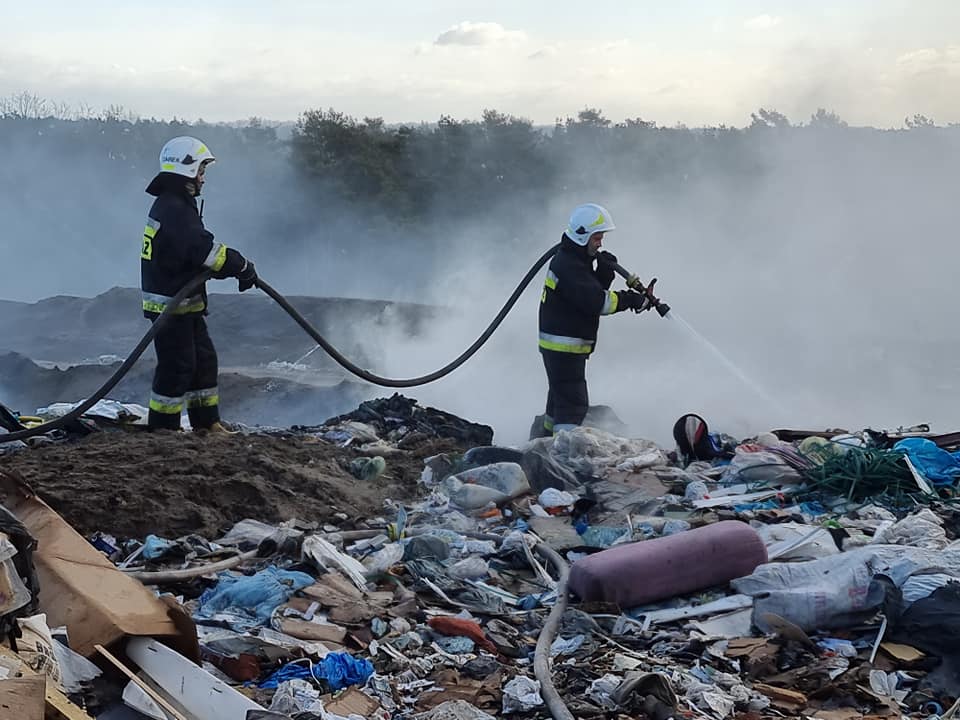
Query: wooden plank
x=60, y=708
x=304, y=630
x=22, y=698
x=156, y=697
x=782, y=695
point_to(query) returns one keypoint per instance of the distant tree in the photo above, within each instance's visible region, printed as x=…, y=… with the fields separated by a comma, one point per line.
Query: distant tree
x=591, y=117
x=23, y=105
x=918, y=121
x=764, y=118
x=257, y=131
x=638, y=123
x=363, y=162
x=60, y=111
x=823, y=118
x=114, y=113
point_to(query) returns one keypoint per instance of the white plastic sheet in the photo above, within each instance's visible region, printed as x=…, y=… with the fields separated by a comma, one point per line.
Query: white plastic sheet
x=596, y=452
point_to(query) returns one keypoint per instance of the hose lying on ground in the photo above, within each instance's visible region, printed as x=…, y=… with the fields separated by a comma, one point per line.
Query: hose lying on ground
x=117, y=376
x=303, y=323
x=541, y=657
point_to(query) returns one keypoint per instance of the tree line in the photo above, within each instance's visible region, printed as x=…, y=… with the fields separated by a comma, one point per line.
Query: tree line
x=398, y=175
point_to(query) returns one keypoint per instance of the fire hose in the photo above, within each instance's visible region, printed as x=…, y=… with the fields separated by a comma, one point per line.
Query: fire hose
x=632, y=281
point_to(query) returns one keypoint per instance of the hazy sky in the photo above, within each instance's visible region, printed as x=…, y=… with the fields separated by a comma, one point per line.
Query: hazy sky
x=873, y=61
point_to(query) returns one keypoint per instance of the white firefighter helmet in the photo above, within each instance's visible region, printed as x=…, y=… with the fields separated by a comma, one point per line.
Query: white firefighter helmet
x=586, y=220
x=184, y=155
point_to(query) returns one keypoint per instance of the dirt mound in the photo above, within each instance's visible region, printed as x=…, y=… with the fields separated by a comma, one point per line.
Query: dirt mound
x=172, y=484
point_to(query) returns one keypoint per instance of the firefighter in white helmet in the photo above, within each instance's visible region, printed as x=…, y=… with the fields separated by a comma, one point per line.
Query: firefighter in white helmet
x=176, y=248
x=575, y=294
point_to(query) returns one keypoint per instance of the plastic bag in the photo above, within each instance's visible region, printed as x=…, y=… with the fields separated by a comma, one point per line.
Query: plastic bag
x=296, y=696
x=368, y=468
x=649, y=459
x=674, y=526
x=838, y=590
x=921, y=586
x=155, y=547
x=385, y=558
x=521, y=695
x=795, y=541
x=248, y=602
x=759, y=467
x=469, y=569
x=13, y=593
x=923, y=529
x=506, y=478
x=552, y=498
x=605, y=537
x=248, y=532
x=51, y=657
x=594, y=452
x=340, y=670
x=696, y=490
x=471, y=497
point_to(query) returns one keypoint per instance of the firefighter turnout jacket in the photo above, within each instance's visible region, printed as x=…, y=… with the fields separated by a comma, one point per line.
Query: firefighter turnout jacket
x=176, y=248
x=574, y=297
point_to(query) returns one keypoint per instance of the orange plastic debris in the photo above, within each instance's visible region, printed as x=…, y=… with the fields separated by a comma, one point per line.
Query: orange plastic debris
x=458, y=627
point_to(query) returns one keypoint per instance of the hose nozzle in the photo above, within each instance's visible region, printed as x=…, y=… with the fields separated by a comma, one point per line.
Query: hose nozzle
x=633, y=282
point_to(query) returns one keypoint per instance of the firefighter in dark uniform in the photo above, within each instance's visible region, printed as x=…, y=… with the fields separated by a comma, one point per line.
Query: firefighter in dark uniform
x=176, y=248
x=575, y=295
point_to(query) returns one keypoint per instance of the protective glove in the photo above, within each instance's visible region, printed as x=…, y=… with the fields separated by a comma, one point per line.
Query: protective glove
x=232, y=266
x=605, y=272
x=606, y=258
x=247, y=277
x=630, y=300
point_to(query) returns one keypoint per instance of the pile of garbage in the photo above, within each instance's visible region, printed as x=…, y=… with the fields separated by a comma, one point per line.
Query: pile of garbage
x=791, y=574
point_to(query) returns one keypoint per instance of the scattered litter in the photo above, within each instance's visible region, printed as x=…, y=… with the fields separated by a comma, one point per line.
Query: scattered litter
x=784, y=575
x=521, y=695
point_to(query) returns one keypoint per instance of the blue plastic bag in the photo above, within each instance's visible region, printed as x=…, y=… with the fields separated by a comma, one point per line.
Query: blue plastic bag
x=154, y=547
x=339, y=670
x=934, y=463
x=250, y=601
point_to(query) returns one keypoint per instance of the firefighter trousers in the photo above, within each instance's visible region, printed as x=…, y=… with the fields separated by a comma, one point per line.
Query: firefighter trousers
x=567, y=397
x=186, y=375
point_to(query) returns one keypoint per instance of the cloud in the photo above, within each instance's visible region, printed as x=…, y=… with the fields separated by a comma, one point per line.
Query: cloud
x=762, y=22
x=483, y=33
x=544, y=53
x=930, y=60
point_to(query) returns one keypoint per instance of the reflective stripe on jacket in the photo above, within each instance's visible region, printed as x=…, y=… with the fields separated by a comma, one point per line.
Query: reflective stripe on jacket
x=573, y=299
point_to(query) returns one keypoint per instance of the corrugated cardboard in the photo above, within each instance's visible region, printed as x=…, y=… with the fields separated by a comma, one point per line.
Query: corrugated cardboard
x=22, y=698
x=81, y=589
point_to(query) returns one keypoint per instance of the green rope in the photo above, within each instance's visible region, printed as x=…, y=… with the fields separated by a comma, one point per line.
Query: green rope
x=870, y=475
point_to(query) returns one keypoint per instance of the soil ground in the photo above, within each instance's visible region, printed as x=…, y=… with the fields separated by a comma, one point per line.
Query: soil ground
x=129, y=484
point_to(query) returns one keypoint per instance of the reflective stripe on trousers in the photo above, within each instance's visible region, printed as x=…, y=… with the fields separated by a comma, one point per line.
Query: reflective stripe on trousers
x=562, y=343
x=155, y=303
x=208, y=397
x=165, y=404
